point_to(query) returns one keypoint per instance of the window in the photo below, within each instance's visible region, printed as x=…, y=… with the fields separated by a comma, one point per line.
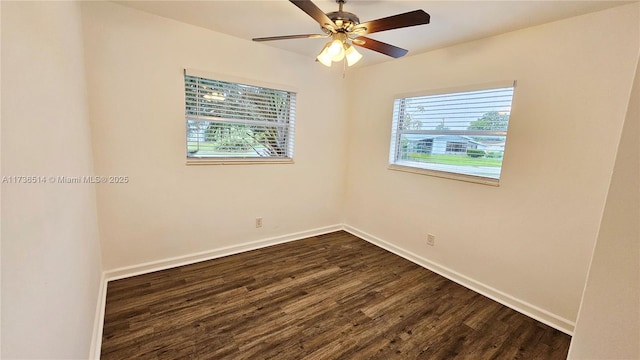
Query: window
x=460, y=134
x=456, y=147
x=230, y=122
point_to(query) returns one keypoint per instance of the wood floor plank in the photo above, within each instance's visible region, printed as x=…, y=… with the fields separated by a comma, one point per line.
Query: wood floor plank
x=333, y=296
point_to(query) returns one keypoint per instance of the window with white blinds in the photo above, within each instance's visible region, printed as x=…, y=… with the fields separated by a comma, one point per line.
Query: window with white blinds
x=458, y=134
x=234, y=121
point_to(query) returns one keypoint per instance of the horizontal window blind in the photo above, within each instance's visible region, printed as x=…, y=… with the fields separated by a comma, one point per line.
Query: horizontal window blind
x=232, y=120
x=461, y=132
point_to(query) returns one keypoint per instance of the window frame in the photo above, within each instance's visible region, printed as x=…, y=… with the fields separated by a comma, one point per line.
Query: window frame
x=395, y=144
x=213, y=160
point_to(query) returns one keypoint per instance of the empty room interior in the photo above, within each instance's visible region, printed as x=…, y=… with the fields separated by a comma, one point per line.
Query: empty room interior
x=362, y=215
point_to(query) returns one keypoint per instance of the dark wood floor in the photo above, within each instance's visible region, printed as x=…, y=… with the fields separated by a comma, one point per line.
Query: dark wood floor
x=328, y=297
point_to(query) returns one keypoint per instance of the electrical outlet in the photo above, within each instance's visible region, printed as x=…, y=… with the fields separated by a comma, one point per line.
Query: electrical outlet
x=258, y=222
x=431, y=240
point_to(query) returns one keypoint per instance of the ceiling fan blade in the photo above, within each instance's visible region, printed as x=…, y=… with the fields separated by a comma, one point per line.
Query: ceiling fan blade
x=287, y=37
x=379, y=46
x=312, y=10
x=412, y=18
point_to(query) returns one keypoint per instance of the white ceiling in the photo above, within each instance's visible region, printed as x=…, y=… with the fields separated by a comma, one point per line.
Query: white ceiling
x=452, y=22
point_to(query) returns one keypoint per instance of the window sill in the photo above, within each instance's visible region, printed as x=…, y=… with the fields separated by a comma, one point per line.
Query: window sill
x=240, y=161
x=446, y=175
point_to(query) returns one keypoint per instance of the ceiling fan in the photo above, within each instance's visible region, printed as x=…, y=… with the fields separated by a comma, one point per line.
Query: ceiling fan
x=344, y=27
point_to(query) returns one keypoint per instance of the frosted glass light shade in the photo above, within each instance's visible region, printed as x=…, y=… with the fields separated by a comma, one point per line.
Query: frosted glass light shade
x=336, y=50
x=353, y=56
x=324, y=58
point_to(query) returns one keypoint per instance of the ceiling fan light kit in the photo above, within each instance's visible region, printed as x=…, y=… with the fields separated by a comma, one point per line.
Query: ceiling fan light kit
x=337, y=50
x=346, y=32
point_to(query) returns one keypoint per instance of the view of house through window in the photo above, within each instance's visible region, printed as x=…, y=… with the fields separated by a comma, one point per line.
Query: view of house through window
x=460, y=133
x=227, y=120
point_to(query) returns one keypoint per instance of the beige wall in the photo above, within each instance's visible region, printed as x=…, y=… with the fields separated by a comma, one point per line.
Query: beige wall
x=608, y=324
x=168, y=209
x=50, y=250
x=529, y=241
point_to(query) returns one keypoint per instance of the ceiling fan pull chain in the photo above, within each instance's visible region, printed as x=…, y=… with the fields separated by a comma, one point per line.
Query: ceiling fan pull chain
x=344, y=68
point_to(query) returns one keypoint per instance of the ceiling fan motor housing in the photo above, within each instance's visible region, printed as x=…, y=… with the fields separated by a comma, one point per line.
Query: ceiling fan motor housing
x=345, y=21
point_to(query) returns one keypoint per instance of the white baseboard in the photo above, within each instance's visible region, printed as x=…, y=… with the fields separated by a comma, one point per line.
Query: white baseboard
x=523, y=307
x=128, y=271
x=530, y=310
x=98, y=322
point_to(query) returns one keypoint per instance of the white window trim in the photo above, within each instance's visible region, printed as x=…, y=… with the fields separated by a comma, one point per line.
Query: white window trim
x=238, y=80
x=463, y=88
x=239, y=161
x=446, y=174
